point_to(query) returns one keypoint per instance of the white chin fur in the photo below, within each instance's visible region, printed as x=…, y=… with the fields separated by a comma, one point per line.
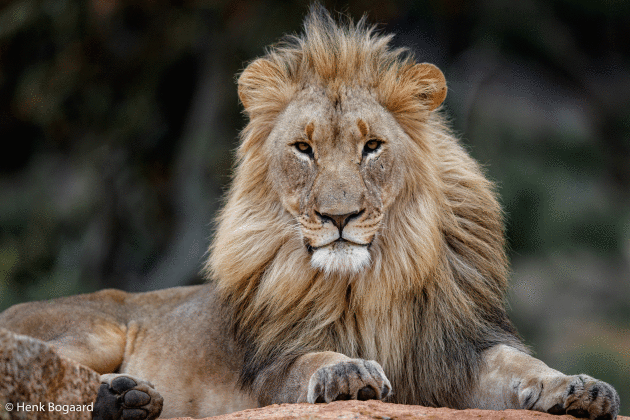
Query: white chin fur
x=341, y=257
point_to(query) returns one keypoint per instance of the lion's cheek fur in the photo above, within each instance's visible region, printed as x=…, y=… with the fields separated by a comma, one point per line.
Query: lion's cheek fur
x=295, y=179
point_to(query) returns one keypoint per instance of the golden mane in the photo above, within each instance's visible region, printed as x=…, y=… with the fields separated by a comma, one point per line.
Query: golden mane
x=433, y=296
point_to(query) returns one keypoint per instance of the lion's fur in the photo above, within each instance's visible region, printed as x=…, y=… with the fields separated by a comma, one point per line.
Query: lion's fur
x=432, y=298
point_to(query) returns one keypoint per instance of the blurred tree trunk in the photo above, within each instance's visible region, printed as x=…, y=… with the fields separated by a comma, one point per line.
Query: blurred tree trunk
x=192, y=200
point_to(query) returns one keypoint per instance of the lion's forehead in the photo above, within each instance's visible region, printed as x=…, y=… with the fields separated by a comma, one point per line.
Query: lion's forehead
x=335, y=116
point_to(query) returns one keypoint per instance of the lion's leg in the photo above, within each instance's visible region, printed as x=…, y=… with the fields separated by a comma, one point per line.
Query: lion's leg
x=328, y=376
x=89, y=329
x=513, y=379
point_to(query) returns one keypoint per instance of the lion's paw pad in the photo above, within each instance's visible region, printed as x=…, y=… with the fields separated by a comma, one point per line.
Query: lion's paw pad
x=121, y=397
x=356, y=379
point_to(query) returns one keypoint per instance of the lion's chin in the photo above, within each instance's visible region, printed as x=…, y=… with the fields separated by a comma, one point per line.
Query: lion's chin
x=341, y=257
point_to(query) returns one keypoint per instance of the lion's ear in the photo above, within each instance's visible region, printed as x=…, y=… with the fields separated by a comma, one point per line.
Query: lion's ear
x=433, y=84
x=262, y=85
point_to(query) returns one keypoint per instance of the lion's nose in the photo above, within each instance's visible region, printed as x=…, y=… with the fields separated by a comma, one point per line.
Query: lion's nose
x=339, y=220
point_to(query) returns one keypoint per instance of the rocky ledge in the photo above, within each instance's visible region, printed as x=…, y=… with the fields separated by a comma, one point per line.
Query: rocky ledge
x=371, y=410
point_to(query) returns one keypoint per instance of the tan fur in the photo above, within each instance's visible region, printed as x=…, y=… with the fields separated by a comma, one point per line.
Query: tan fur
x=360, y=251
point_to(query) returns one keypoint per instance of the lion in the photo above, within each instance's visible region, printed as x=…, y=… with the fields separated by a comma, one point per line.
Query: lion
x=359, y=255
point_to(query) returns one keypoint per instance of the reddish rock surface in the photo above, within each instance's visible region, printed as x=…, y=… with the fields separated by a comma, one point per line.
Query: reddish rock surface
x=371, y=410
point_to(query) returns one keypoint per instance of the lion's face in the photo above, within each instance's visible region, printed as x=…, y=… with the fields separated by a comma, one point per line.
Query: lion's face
x=337, y=165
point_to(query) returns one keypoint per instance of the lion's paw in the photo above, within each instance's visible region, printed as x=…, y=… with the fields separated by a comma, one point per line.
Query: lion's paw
x=580, y=396
x=124, y=397
x=586, y=397
x=356, y=379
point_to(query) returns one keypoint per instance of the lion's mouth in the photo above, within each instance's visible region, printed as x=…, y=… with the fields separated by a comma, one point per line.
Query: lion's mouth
x=340, y=256
x=336, y=244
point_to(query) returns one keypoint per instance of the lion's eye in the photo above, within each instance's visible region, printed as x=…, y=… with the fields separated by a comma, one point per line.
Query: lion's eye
x=371, y=146
x=304, y=148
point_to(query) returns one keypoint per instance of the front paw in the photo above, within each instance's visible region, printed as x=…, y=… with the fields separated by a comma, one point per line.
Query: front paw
x=586, y=397
x=579, y=395
x=124, y=397
x=356, y=379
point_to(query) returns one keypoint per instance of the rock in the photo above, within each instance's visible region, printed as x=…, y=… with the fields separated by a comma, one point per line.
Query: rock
x=377, y=410
x=33, y=375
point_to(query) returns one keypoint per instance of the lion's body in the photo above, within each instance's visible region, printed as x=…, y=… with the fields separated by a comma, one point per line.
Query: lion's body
x=360, y=250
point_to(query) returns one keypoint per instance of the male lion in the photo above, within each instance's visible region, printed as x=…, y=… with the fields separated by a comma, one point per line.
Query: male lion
x=359, y=256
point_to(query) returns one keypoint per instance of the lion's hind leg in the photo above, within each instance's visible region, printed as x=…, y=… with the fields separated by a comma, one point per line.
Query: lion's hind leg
x=89, y=329
x=513, y=379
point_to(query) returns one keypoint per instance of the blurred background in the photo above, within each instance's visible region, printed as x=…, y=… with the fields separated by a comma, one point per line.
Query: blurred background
x=119, y=119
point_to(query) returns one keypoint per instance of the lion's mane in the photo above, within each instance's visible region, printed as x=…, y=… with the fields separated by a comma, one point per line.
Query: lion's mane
x=433, y=297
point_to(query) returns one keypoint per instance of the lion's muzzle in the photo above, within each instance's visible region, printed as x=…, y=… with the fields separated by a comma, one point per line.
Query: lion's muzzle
x=339, y=243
